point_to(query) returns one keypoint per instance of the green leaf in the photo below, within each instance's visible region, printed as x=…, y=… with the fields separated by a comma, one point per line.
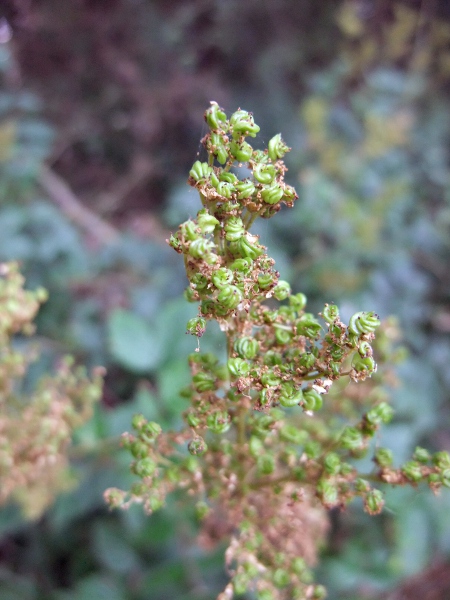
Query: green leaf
x=132, y=341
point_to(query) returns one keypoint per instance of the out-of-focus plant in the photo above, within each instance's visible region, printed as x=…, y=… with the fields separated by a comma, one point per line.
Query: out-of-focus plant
x=36, y=425
x=264, y=450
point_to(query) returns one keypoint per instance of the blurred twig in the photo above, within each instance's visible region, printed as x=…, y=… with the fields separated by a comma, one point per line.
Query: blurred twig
x=60, y=192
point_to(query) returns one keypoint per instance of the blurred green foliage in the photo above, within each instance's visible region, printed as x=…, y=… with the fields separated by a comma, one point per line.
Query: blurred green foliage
x=363, y=90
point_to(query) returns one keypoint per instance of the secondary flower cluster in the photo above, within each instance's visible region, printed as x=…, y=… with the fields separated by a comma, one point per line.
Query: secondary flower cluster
x=262, y=450
x=35, y=430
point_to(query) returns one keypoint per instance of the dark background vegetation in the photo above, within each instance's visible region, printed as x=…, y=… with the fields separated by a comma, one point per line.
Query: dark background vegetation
x=101, y=107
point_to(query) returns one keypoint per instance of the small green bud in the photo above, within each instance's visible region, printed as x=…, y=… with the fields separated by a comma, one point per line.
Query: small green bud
x=197, y=446
x=352, y=439
x=272, y=194
x=332, y=463
x=204, y=382
x=363, y=322
x=215, y=117
x=256, y=446
x=421, y=455
x=238, y=367
x=281, y=578
x=312, y=400
x=312, y=449
x=234, y=229
x=441, y=459
x=201, y=510
x=192, y=420
x=384, y=457
x=138, y=449
x=328, y=493
x=265, y=464
x=413, y=471
x=272, y=358
x=361, y=485
x=282, y=290
x=246, y=347
x=365, y=349
x=230, y=297
x=319, y=592
x=138, y=421
x=290, y=433
x=219, y=421
x=382, y=413
x=277, y=148
x=144, y=467
x=374, y=502
x=196, y=326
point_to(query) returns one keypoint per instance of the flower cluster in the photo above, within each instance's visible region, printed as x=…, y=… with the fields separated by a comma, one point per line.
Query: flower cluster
x=262, y=448
x=36, y=427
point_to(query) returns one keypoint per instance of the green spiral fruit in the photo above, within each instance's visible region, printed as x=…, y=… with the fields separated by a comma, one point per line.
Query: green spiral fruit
x=330, y=313
x=206, y=222
x=282, y=336
x=225, y=189
x=298, y=301
x=189, y=230
x=219, y=421
x=204, y=382
x=363, y=322
x=199, y=281
x=215, y=117
x=196, y=326
x=247, y=347
x=217, y=148
x=264, y=173
x=277, y=148
x=363, y=364
x=197, y=446
x=242, y=265
x=308, y=326
x=228, y=177
x=270, y=379
x=230, y=297
x=234, y=229
x=242, y=123
x=222, y=277
x=247, y=246
x=272, y=194
x=282, y=290
x=238, y=367
x=242, y=152
x=245, y=189
x=200, y=247
x=200, y=171
x=312, y=400
x=289, y=396
x=265, y=280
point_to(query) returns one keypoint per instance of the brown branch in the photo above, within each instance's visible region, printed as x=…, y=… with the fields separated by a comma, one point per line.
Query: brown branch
x=61, y=194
